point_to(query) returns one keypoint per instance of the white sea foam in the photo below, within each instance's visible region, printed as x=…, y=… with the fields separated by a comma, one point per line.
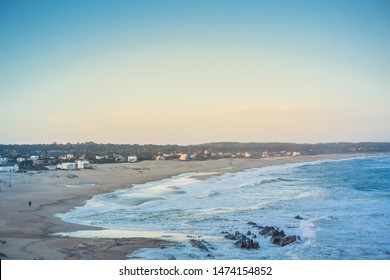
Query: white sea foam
x=308, y=230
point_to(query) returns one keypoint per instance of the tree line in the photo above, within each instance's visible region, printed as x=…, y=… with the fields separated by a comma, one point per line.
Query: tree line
x=150, y=150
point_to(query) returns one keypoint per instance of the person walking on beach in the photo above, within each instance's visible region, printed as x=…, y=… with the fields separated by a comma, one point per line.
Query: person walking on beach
x=29, y=203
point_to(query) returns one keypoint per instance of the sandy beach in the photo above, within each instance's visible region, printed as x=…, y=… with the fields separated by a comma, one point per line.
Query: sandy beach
x=28, y=231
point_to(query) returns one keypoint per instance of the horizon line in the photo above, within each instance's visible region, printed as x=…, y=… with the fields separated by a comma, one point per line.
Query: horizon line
x=199, y=144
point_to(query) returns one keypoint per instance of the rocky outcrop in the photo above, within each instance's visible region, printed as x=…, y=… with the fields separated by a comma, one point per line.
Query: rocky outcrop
x=199, y=244
x=247, y=243
x=237, y=236
x=268, y=230
x=283, y=241
x=278, y=237
x=243, y=241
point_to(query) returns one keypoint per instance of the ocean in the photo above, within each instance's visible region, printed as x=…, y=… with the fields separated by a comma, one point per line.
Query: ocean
x=340, y=209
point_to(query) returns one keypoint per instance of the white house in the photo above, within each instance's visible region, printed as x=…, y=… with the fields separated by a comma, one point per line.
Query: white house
x=160, y=157
x=33, y=158
x=3, y=161
x=101, y=157
x=82, y=164
x=10, y=169
x=20, y=159
x=67, y=166
x=132, y=158
x=247, y=155
x=183, y=157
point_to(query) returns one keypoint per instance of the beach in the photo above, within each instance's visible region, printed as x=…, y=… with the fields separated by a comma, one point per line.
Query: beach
x=28, y=231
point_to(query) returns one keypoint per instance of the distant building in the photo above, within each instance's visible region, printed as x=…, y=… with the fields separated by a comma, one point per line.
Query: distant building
x=132, y=158
x=3, y=161
x=101, y=157
x=183, y=157
x=119, y=158
x=20, y=159
x=194, y=156
x=160, y=157
x=168, y=156
x=33, y=158
x=38, y=162
x=67, y=166
x=51, y=160
x=82, y=164
x=10, y=169
x=69, y=156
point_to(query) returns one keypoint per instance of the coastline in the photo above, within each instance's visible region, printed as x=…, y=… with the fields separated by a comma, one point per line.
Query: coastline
x=28, y=230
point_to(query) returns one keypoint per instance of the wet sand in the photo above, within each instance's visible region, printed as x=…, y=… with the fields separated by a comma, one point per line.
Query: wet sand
x=28, y=231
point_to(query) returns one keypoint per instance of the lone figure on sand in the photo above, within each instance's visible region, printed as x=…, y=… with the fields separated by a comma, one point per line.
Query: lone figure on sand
x=29, y=203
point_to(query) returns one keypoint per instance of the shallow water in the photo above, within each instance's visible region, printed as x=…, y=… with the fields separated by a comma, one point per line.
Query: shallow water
x=345, y=206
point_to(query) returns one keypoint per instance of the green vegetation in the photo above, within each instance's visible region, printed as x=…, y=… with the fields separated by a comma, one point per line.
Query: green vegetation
x=90, y=150
x=91, y=147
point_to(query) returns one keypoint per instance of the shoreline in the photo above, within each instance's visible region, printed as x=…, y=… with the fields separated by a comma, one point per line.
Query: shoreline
x=28, y=230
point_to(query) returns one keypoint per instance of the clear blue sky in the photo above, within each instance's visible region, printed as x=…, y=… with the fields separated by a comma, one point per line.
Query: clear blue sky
x=190, y=72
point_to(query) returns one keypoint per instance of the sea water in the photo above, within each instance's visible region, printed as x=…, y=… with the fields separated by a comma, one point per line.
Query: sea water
x=343, y=208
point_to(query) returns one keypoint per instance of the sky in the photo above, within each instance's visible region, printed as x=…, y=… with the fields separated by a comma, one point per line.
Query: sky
x=191, y=72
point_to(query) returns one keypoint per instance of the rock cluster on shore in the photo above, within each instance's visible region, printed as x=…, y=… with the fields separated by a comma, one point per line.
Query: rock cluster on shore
x=243, y=241
x=246, y=241
x=278, y=237
x=201, y=244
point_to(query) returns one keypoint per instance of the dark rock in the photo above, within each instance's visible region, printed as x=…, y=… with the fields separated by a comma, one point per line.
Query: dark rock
x=298, y=217
x=208, y=244
x=276, y=232
x=248, y=232
x=236, y=236
x=251, y=224
x=267, y=230
x=243, y=241
x=199, y=244
x=283, y=241
x=193, y=236
x=288, y=240
x=276, y=240
x=247, y=243
x=258, y=227
x=229, y=236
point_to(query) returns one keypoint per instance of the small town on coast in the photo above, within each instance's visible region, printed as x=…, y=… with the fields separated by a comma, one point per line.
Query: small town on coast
x=39, y=157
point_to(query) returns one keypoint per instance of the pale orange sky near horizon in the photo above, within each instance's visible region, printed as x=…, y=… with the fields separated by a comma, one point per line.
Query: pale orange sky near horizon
x=249, y=71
